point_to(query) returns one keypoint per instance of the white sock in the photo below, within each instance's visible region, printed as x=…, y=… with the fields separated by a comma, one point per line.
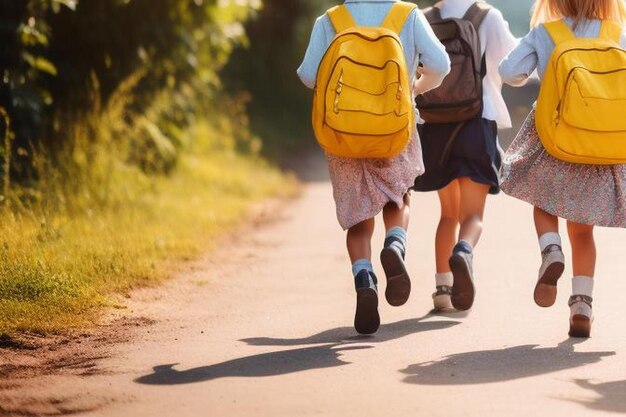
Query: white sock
x=445, y=278
x=547, y=239
x=582, y=285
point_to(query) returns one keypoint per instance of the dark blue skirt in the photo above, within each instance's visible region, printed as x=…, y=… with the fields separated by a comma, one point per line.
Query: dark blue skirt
x=451, y=151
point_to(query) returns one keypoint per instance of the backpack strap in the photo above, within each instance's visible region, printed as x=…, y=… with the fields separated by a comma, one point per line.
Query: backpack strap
x=433, y=14
x=559, y=31
x=341, y=18
x=610, y=30
x=398, y=14
x=477, y=13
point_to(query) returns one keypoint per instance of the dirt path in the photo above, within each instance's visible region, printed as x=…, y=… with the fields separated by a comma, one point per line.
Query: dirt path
x=263, y=327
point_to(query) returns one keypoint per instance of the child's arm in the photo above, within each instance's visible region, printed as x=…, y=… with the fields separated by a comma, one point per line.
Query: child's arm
x=519, y=65
x=321, y=36
x=499, y=41
x=433, y=56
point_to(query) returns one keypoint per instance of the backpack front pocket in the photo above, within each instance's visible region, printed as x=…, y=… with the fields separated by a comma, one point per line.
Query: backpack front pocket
x=365, y=99
x=595, y=100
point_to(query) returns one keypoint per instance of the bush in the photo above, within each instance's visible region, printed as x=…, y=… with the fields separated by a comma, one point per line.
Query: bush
x=64, y=61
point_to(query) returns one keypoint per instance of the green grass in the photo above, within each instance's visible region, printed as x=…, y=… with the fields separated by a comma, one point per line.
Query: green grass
x=61, y=266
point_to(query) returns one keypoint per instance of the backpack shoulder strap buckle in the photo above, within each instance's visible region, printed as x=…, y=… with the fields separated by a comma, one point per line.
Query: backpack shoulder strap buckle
x=398, y=15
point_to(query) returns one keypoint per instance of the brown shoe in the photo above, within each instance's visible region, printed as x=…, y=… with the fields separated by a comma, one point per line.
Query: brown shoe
x=552, y=266
x=581, y=316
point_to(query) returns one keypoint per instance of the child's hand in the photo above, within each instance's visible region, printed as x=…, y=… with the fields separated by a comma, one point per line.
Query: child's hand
x=418, y=75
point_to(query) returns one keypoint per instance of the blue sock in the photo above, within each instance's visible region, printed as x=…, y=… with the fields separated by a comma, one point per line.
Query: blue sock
x=364, y=276
x=361, y=264
x=396, y=238
x=463, y=246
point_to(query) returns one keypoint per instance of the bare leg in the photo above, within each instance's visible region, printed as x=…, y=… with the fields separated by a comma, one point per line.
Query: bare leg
x=472, y=208
x=392, y=257
x=583, y=249
x=545, y=222
x=394, y=216
x=584, y=264
x=552, y=260
x=359, y=240
x=445, y=238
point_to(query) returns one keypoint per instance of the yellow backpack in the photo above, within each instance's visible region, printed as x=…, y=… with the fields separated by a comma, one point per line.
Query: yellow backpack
x=580, y=113
x=363, y=102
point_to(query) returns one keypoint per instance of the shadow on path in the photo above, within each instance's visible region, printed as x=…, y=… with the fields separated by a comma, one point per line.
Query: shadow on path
x=386, y=332
x=612, y=396
x=284, y=362
x=486, y=366
x=265, y=364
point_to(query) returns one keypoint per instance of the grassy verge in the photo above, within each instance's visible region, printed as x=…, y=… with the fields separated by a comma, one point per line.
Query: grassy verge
x=60, y=267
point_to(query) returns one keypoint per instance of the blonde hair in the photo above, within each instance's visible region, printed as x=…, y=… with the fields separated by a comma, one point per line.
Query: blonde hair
x=549, y=10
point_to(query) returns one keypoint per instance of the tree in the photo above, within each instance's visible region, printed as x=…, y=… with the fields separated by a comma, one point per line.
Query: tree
x=62, y=59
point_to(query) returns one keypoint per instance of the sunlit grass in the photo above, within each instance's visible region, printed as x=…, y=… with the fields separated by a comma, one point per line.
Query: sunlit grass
x=59, y=268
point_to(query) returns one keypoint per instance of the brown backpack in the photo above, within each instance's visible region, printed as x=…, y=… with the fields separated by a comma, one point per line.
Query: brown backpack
x=460, y=96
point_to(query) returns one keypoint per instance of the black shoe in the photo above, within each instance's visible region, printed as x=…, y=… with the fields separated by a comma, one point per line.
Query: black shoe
x=463, y=288
x=366, y=319
x=398, y=281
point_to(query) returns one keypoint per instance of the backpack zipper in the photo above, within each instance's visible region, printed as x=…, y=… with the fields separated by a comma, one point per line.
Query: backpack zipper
x=395, y=39
x=568, y=80
x=584, y=49
x=340, y=85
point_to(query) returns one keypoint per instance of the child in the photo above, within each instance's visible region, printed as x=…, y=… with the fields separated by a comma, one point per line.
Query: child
x=584, y=195
x=462, y=159
x=362, y=188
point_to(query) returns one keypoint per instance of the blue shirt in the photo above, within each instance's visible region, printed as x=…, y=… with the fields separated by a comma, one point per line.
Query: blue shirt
x=535, y=49
x=419, y=42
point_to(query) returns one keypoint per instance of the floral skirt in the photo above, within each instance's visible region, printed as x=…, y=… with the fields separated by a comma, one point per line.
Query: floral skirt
x=362, y=187
x=587, y=194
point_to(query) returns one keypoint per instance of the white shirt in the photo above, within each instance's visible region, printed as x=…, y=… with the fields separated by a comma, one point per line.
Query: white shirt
x=496, y=42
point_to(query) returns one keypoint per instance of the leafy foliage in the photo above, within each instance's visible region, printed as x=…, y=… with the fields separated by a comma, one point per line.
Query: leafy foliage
x=63, y=59
x=98, y=100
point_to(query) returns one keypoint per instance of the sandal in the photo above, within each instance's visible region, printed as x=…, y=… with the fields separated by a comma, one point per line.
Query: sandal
x=441, y=298
x=581, y=316
x=552, y=266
